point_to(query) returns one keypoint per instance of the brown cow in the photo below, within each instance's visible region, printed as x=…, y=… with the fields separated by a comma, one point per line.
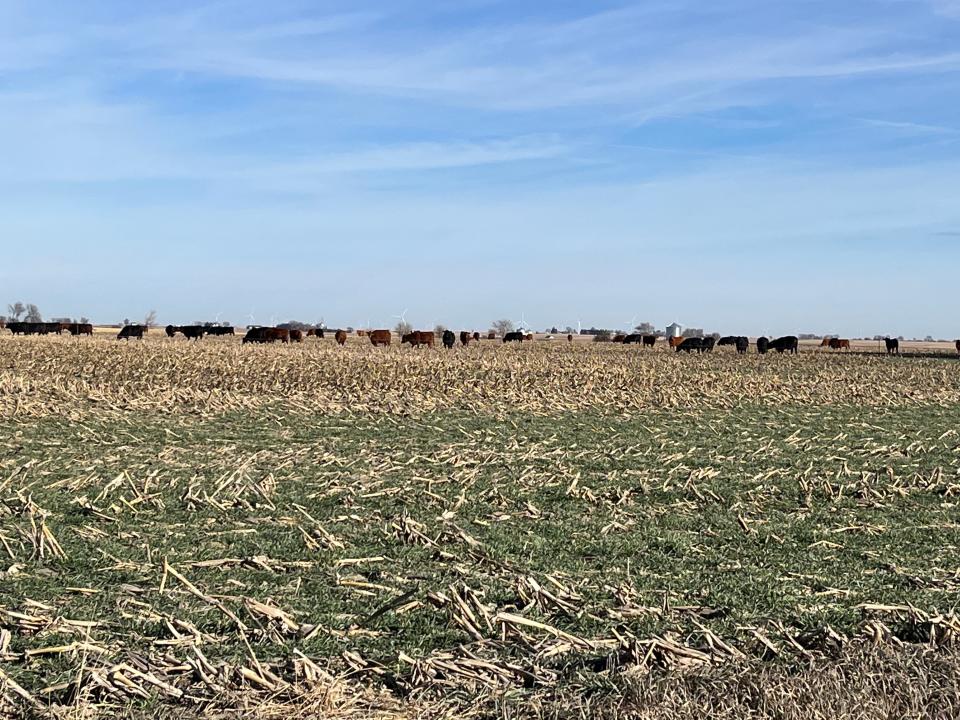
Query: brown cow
x=380, y=337
x=476, y=337
x=826, y=342
x=296, y=336
x=570, y=338
x=838, y=344
x=619, y=338
x=528, y=337
x=465, y=338
x=81, y=329
x=491, y=335
x=341, y=337
x=417, y=338
x=675, y=342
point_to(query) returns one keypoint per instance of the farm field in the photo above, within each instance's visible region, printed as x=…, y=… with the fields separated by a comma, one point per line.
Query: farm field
x=547, y=530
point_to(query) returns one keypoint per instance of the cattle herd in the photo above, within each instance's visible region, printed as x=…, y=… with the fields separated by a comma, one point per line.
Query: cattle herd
x=417, y=338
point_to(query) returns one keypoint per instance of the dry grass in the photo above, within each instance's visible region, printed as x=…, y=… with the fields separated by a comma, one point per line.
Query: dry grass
x=547, y=531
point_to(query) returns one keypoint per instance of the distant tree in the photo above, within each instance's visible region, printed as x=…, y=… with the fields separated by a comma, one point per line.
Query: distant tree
x=645, y=328
x=126, y=321
x=693, y=332
x=16, y=310
x=403, y=328
x=601, y=336
x=554, y=331
x=439, y=330
x=33, y=314
x=502, y=327
x=928, y=338
x=85, y=320
x=150, y=320
x=569, y=330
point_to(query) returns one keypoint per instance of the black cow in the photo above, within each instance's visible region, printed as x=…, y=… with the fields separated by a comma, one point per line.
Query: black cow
x=743, y=344
x=513, y=337
x=132, y=331
x=893, y=346
x=690, y=345
x=219, y=330
x=649, y=340
x=633, y=339
x=787, y=343
x=763, y=344
x=449, y=339
x=707, y=343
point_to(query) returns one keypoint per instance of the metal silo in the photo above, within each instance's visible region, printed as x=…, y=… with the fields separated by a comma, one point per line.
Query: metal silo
x=674, y=330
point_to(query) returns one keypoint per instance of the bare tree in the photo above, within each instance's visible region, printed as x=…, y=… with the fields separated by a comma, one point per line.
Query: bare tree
x=33, y=314
x=439, y=330
x=151, y=319
x=403, y=328
x=16, y=310
x=502, y=327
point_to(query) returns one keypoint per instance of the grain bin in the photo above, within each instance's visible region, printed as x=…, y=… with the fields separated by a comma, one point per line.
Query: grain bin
x=674, y=330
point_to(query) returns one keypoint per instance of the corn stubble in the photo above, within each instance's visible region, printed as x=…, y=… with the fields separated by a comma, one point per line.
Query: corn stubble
x=216, y=530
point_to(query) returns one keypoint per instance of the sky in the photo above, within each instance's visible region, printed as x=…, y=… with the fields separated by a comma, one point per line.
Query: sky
x=745, y=166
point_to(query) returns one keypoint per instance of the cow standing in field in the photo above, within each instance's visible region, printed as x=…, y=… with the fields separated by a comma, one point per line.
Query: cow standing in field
x=263, y=335
x=80, y=329
x=763, y=344
x=132, y=331
x=476, y=337
x=690, y=345
x=707, y=343
x=218, y=330
x=417, y=338
x=513, y=337
x=838, y=344
x=380, y=338
x=958, y=347
x=170, y=330
x=341, y=337
x=465, y=338
x=742, y=344
x=570, y=338
x=787, y=343
x=649, y=340
x=619, y=338
x=675, y=342
x=449, y=339
x=893, y=345
x=633, y=339
x=296, y=336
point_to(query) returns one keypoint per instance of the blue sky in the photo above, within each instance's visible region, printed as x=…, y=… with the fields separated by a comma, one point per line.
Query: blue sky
x=748, y=166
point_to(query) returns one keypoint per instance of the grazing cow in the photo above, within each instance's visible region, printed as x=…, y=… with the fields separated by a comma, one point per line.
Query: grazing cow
x=570, y=337
x=707, y=344
x=218, y=330
x=465, y=338
x=838, y=344
x=513, y=337
x=675, y=341
x=132, y=331
x=743, y=344
x=727, y=340
x=633, y=338
x=787, y=343
x=691, y=344
x=449, y=339
x=296, y=336
x=192, y=332
x=893, y=346
x=826, y=342
x=528, y=337
x=649, y=340
x=619, y=338
x=380, y=337
x=80, y=329
x=266, y=335
x=341, y=337
x=170, y=330
x=476, y=337
x=763, y=344
x=315, y=332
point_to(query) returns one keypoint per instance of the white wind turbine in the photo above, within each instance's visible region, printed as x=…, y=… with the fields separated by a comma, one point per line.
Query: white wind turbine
x=401, y=318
